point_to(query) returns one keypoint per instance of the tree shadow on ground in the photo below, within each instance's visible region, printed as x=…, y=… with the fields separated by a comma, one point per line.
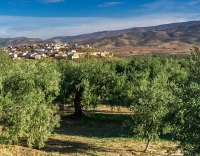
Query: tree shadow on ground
x=98, y=125
x=69, y=147
x=93, y=125
x=75, y=148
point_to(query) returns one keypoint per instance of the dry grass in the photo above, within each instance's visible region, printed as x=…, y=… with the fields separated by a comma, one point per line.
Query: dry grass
x=98, y=134
x=173, y=47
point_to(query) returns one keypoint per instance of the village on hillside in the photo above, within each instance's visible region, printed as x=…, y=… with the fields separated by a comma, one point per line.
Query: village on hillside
x=52, y=50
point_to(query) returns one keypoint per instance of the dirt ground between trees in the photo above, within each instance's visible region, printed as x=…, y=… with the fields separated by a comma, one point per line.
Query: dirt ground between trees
x=99, y=134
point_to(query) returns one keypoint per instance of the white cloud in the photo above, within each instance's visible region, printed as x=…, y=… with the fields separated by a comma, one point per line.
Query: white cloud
x=109, y=4
x=161, y=4
x=171, y=6
x=52, y=1
x=193, y=2
x=43, y=27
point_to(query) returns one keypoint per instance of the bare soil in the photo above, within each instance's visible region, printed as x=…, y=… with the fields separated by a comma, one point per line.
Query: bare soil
x=173, y=47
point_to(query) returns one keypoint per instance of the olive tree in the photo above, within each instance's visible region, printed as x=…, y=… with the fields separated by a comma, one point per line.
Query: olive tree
x=149, y=107
x=186, y=117
x=80, y=82
x=152, y=93
x=26, y=98
x=89, y=83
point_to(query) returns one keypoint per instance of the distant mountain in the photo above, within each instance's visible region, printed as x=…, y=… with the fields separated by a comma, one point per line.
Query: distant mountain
x=103, y=34
x=169, y=38
x=187, y=34
x=4, y=42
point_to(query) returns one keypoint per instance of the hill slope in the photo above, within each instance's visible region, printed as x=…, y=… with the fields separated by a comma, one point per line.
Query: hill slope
x=5, y=42
x=19, y=40
x=168, y=38
x=185, y=34
x=104, y=34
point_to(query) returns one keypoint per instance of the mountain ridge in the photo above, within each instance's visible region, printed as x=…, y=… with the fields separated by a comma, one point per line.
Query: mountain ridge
x=103, y=34
x=184, y=34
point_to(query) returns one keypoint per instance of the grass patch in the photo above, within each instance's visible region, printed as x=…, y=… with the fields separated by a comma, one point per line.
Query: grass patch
x=97, y=134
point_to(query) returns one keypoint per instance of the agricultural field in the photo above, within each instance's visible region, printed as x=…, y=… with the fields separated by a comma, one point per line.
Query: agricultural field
x=173, y=47
x=141, y=105
x=100, y=133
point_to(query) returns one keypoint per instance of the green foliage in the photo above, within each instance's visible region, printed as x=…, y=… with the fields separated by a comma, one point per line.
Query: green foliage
x=186, y=113
x=163, y=94
x=154, y=81
x=84, y=82
x=28, y=89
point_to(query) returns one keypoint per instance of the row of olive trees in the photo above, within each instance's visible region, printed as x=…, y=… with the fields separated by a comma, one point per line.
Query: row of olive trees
x=165, y=97
x=162, y=93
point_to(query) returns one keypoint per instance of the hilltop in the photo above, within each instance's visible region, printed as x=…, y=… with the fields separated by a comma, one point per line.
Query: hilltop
x=168, y=38
x=104, y=34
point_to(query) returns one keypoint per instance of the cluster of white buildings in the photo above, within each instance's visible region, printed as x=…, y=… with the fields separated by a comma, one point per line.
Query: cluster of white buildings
x=52, y=50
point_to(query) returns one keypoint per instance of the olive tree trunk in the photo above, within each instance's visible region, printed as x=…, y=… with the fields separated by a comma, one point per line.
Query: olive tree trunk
x=77, y=103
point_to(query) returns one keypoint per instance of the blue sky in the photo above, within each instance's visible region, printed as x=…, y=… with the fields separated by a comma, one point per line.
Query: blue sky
x=49, y=18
